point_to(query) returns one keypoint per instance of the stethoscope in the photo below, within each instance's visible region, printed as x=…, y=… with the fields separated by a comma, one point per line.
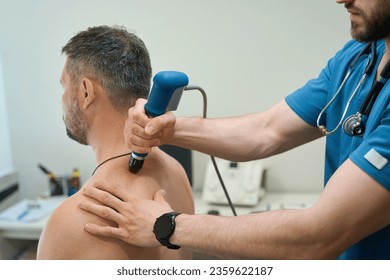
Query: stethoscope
x=354, y=125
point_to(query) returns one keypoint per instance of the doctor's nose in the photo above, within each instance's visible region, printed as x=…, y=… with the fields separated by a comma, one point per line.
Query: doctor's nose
x=343, y=1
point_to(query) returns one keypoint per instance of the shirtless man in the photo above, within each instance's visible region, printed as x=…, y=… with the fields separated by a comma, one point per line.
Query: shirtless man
x=106, y=70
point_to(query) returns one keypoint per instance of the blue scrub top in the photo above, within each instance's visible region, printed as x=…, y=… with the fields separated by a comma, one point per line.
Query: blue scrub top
x=370, y=152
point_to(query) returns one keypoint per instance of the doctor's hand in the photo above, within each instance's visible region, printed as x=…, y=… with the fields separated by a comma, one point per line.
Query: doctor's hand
x=134, y=216
x=142, y=133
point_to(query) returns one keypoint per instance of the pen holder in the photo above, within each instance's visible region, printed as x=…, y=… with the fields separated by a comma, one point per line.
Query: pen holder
x=64, y=185
x=56, y=186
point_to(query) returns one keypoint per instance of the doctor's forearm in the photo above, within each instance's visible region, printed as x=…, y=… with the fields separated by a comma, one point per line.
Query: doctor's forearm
x=285, y=234
x=231, y=139
x=244, y=138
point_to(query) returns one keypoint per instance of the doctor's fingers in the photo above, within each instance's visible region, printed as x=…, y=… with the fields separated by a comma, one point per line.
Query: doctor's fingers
x=136, y=135
x=137, y=140
x=160, y=123
x=137, y=115
x=139, y=106
x=101, y=211
x=151, y=127
x=106, y=231
x=111, y=198
x=161, y=127
x=108, y=193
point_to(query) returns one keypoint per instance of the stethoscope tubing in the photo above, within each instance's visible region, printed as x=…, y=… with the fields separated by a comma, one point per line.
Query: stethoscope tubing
x=375, y=90
x=369, y=101
x=322, y=127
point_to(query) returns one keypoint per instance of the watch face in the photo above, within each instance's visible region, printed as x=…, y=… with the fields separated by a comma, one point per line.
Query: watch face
x=163, y=227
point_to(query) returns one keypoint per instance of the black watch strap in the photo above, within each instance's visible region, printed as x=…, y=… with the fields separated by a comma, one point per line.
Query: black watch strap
x=168, y=244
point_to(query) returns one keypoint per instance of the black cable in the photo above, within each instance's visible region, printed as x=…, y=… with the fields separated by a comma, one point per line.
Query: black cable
x=192, y=87
x=122, y=155
x=375, y=90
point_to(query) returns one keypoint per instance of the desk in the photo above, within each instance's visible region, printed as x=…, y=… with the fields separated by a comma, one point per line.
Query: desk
x=14, y=236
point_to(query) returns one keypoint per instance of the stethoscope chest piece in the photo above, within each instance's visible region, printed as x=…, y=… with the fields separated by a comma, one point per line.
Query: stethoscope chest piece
x=353, y=126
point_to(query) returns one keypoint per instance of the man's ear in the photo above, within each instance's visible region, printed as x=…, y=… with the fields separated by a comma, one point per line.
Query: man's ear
x=88, y=92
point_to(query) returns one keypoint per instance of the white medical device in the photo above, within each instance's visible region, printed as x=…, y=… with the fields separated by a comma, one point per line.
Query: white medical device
x=243, y=180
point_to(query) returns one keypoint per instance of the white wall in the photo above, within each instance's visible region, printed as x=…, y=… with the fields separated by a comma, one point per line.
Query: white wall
x=247, y=55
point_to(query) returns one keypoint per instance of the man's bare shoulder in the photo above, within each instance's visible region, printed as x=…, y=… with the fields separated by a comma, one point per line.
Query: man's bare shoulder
x=64, y=237
x=53, y=242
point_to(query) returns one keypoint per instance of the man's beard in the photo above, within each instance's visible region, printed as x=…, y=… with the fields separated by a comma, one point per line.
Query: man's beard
x=76, y=126
x=376, y=27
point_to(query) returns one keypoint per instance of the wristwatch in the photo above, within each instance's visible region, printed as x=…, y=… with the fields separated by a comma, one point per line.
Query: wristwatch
x=164, y=227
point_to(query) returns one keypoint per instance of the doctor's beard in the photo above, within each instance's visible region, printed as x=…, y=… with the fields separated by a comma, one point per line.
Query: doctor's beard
x=376, y=27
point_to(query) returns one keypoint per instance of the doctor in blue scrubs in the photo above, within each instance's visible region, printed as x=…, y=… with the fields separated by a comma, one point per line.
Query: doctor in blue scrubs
x=351, y=220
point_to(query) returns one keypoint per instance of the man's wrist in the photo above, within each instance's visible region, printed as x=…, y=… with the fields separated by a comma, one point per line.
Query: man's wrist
x=184, y=130
x=175, y=139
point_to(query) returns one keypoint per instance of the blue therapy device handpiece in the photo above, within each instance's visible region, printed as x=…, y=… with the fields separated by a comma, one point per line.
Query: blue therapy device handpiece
x=168, y=86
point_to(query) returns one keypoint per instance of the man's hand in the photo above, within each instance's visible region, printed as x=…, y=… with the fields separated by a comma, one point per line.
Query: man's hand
x=142, y=133
x=134, y=215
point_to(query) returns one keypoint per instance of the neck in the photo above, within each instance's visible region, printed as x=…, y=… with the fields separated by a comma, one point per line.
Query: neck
x=387, y=52
x=385, y=58
x=109, y=148
x=110, y=158
x=106, y=136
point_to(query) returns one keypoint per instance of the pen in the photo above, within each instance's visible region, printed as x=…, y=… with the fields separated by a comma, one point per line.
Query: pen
x=27, y=210
x=24, y=213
